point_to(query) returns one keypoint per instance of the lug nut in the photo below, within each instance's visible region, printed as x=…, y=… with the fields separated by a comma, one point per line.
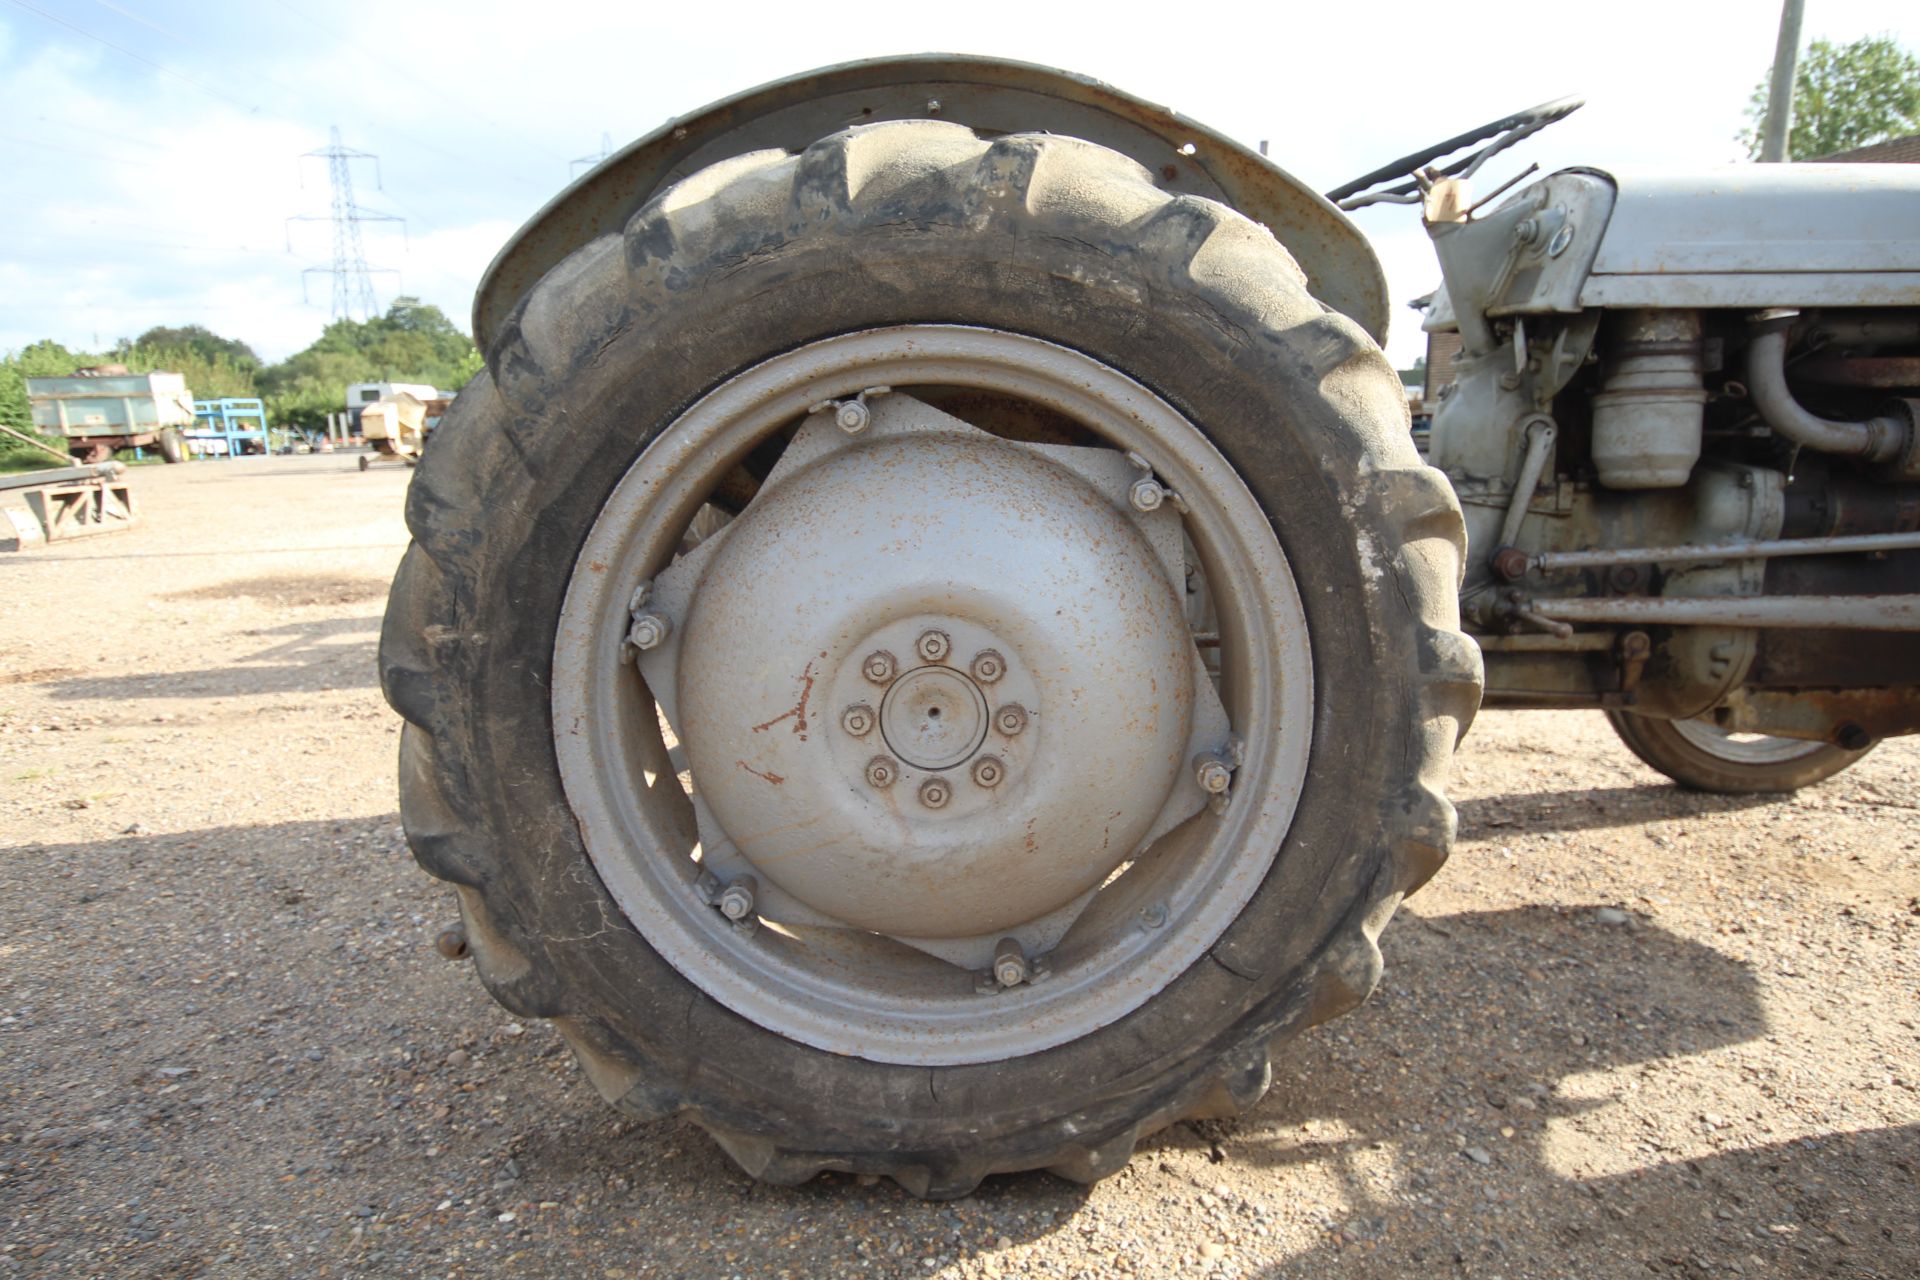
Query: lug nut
x=934, y=645
x=1146, y=494
x=1213, y=775
x=878, y=667
x=857, y=719
x=852, y=417
x=988, y=666
x=987, y=771
x=737, y=902
x=882, y=772
x=1010, y=967
x=649, y=631
x=1010, y=719
x=934, y=793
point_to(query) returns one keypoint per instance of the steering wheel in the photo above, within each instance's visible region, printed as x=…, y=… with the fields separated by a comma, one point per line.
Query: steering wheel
x=1504, y=132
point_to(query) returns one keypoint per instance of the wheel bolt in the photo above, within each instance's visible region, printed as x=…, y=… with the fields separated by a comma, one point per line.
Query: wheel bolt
x=1010, y=967
x=857, y=719
x=878, y=667
x=852, y=417
x=988, y=666
x=934, y=645
x=1010, y=719
x=987, y=771
x=1146, y=494
x=934, y=793
x=649, y=631
x=1213, y=775
x=737, y=902
x=882, y=772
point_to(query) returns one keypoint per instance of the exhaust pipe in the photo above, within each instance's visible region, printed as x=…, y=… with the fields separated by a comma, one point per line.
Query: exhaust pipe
x=1881, y=439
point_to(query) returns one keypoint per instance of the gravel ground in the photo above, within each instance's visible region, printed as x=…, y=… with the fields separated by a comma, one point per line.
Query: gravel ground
x=1629, y=1030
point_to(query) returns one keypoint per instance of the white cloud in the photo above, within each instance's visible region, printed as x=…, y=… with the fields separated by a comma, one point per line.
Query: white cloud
x=136, y=198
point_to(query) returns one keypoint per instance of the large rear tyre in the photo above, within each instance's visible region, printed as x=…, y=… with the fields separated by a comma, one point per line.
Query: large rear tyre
x=1024, y=790
x=1702, y=756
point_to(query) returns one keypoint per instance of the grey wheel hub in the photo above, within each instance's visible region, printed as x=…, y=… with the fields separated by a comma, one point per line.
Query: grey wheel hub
x=948, y=733
x=927, y=541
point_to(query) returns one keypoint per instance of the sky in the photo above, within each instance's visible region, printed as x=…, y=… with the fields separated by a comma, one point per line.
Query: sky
x=151, y=151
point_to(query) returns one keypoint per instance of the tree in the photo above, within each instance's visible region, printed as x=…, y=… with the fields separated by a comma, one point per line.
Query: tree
x=198, y=339
x=412, y=342
x=207, y=377
x=1844, y=96
x=42, y=359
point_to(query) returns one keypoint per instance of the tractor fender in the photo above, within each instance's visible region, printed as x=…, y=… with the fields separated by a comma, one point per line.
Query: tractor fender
x=991, y=96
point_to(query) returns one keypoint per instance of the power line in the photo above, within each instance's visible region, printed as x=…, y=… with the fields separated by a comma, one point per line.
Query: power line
x=140, y=58
x=72, y=152
x=410, y=75
x=352, y=277
x=606, y=149
x=385, y=127
x=119, y=243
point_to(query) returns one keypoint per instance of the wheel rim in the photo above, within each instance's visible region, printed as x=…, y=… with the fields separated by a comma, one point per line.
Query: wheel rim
x=1743, y=748
x=960, y=667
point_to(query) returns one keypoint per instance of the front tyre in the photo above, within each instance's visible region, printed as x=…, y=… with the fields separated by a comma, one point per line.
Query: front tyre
x=926, y=655
x=1701, y=756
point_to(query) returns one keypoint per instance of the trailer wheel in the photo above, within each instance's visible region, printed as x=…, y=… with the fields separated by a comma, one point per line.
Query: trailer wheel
x=173, y=445
x=1060, y=715
x=1702, y=756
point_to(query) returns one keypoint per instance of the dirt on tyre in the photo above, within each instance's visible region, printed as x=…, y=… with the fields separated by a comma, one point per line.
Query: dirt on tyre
x=1701, y=756
x=926, y=655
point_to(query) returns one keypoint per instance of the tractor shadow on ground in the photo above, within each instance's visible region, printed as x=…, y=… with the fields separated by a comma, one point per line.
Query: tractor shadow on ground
x=299, y=657
x=1505, y=1051
x=1479, y=1008
x=1589, y=808
x=292, y=590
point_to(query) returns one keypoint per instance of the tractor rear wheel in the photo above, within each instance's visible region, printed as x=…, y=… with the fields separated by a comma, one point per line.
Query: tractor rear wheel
x=926, y=655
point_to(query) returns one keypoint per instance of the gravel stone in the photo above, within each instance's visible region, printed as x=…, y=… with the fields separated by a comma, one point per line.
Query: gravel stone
x=1748, y=1045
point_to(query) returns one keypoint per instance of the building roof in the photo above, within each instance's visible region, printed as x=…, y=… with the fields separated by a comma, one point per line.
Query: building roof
x=1892, y=151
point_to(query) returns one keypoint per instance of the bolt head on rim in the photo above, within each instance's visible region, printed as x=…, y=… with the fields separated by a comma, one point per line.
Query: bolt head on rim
x=879, y=667
x=852, y=417
x=1010, y=965
x=649, y=631
x=1213, y=775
